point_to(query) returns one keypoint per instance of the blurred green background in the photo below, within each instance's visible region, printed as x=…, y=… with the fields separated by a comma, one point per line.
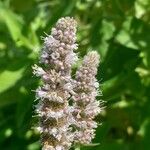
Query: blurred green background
x=118, y=29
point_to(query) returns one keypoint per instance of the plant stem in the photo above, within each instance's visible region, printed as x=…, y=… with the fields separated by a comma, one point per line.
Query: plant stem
x=77, y=147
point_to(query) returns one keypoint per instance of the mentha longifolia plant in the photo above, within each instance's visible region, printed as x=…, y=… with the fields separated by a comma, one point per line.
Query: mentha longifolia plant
x=62, y=123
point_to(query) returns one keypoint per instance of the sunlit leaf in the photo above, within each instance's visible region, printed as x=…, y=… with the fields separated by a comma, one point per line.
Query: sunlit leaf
x=9, y=78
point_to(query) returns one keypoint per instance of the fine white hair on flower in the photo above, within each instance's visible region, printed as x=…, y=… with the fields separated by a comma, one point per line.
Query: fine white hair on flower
x=51, y=42
x=71, y=58
x=38, y=71
x=40, y=93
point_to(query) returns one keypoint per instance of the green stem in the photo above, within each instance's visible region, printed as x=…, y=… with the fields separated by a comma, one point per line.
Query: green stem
x=77, y=147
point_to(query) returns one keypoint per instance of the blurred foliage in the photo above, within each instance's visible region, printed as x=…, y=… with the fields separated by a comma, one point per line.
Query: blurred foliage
x=118, y=29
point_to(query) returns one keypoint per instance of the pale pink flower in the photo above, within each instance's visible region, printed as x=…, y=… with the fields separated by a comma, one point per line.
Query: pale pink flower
x=85, y=105
x=65, y=102
x=53, y=108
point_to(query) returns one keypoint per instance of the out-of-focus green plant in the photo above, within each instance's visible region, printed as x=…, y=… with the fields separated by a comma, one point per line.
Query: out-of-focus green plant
x=118, y=29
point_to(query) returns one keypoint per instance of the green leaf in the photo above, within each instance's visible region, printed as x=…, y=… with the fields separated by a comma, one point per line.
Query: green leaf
x=9, y=78
x=15, y=25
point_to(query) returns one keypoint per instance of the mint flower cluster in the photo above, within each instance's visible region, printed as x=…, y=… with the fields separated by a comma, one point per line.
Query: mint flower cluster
x=66, y=106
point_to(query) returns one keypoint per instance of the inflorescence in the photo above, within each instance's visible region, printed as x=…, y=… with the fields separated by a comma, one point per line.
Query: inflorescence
x=62, y=123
